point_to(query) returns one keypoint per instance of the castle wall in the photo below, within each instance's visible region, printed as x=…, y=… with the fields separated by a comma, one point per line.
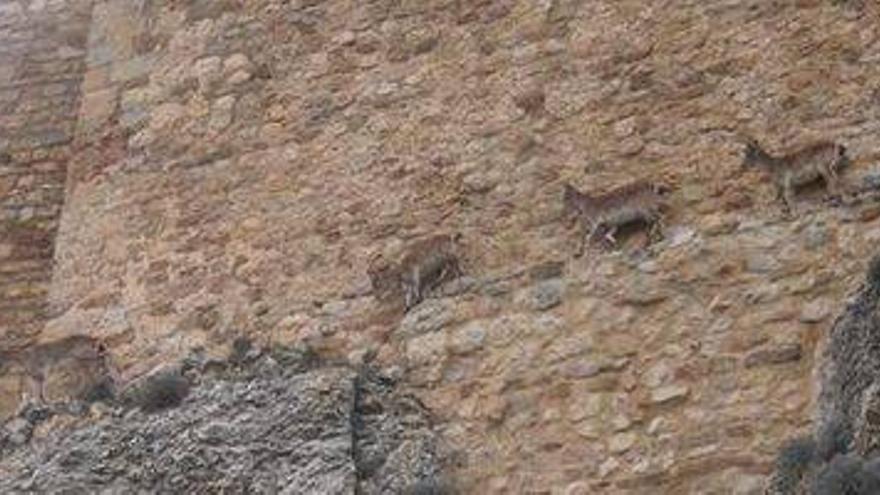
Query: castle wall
x=42, y=57
x=242, y=161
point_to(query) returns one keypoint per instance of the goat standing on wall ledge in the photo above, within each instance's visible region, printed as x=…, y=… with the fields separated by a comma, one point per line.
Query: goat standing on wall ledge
x=820, y=160
x=639, y=201
x=426, y=264
x=81, y=360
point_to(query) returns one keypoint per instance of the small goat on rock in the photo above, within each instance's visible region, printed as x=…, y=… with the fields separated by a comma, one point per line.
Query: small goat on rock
x=638, y=201
x=81, y=359
x=426, y=264
x=819, y=160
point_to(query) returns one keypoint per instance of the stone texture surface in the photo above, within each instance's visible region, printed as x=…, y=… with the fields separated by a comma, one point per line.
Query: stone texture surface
x=236, y=164
x=42, y=61
x=267, y=428
x=842, y=452
x=851, y=371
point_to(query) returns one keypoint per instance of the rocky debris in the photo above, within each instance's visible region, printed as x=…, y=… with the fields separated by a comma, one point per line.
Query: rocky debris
x=851, y=364
x=430, y=316
x=544, y=295
x=843, y=456
x=274, y=423
x=395, y=450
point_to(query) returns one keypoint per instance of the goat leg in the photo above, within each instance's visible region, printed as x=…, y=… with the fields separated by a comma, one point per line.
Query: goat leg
x=582, y=241
x=789, y=200
x=585, y=237
x=832, y=183
x=654, y=230
x=783, y=193
x=609, y=236
x=418, y=284
x=407, y=295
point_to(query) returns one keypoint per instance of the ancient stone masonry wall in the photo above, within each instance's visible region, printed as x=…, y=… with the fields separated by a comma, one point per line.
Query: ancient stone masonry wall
x=42, y=57
x=240, y=162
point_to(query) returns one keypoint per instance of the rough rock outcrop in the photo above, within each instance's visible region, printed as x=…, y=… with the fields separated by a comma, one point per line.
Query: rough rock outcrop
x=841, y=457
x=267, y=427
x=852, y=363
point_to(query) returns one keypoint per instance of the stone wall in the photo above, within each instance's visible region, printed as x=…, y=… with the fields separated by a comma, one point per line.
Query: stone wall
x=42, y=56
x=238, y=163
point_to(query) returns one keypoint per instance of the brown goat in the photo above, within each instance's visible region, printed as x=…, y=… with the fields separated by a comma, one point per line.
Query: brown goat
x=638, y=201
x=426, y=264
x=78, y=356
x=819, y=160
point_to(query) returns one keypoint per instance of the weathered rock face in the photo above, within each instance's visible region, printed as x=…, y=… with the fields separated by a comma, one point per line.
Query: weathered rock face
x=236, y=165
x=842, y=454
x=851, y=368
x=42, y=61
x=271, y=428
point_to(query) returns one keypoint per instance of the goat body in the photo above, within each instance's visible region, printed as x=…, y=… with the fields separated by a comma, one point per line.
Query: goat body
x=78, y=355
x=819, y=160
x=426, y=264
x=637, y=201
x=384, y=276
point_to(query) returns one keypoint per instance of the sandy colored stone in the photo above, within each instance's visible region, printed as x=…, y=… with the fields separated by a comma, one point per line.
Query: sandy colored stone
x=816, y=311
x=273, y=148
x=608, y=467
x=621, y=442
x=669, y=393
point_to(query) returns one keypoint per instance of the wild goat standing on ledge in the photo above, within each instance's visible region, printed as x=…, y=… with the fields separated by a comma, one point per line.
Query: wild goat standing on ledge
x=639, y=201
x=82, y=360
x=820, y=160
x=426, y=264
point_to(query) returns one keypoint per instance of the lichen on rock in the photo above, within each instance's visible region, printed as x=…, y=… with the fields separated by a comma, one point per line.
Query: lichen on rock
x=293, y=426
